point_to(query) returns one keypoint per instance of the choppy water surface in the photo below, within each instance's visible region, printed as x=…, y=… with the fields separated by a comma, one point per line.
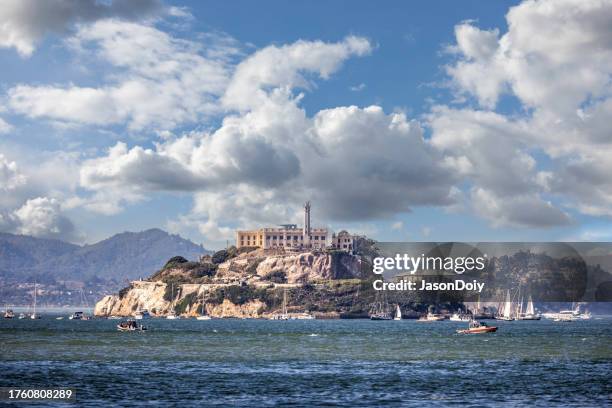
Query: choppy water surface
x=310, y=363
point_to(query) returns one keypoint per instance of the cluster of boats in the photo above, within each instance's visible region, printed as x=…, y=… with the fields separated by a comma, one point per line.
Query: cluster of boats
x=9, y=314
x=510, y=310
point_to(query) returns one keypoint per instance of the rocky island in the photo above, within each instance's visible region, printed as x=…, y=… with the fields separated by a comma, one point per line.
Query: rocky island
x=253, y=283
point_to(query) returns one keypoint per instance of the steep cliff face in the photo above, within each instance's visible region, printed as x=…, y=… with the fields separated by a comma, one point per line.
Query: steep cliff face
x=246, y=285
x=141, y=295
x=308, y=267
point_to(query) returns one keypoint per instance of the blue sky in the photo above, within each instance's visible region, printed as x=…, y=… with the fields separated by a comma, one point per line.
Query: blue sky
x=406, y=121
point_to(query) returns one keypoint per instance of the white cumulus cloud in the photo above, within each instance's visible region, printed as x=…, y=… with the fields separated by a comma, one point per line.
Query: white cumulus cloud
x=23, y=23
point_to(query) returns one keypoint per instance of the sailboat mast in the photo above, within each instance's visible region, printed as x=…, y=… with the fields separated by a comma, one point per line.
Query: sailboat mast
x=34, y=298
x=508, y=306
x=285, y=302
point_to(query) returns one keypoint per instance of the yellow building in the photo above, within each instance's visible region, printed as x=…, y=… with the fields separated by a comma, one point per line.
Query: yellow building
x=290, y=237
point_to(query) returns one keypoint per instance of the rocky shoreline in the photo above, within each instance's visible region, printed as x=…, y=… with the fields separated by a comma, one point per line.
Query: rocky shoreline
x=248, y=284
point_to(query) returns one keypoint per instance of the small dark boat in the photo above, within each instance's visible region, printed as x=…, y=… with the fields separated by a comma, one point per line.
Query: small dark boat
x=476, y=327
x=130, y=325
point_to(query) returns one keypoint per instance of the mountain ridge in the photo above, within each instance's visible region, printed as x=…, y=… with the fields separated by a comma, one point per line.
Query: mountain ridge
x=125, y=255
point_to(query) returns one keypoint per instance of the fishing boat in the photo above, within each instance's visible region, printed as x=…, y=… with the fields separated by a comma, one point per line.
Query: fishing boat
x=130, y=325
x=398, y=313
x=456, y=317
x=476, y=327
x=9, y=314
x=530, y=313
x=506, y=312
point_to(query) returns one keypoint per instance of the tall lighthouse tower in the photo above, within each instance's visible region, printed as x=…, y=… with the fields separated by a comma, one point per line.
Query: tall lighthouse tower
x=306, y=231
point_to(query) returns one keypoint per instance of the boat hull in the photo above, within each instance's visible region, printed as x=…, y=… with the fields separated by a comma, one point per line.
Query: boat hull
x=478, y=330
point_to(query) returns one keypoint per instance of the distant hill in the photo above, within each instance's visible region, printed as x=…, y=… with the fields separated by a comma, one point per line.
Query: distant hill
x=128, y=255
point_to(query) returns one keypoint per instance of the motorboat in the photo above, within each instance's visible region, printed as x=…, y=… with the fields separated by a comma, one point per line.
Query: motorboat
x=566, y=316
x=476, y=327
x=456, y=317
x=381, y=316
x=130, y=325
x=78, y=316
x=569, y=315
x=142, y=314
x=172, y=316
x=431, y=317
x=9, y=314
x=302, y=316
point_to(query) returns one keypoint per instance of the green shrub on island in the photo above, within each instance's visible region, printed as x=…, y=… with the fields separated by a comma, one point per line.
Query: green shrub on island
x=174, y=262
x=124, y=291
x=277, y=276
x=252, y=268
x=203, y=270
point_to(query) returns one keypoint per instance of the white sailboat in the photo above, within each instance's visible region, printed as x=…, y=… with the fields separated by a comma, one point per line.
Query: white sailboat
x=506, y=312
x=530, y=313
x=203, y=316
x=172, y=315
x=398, y=313
x=284, y=315
x=380, y=309
x=34, y=315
